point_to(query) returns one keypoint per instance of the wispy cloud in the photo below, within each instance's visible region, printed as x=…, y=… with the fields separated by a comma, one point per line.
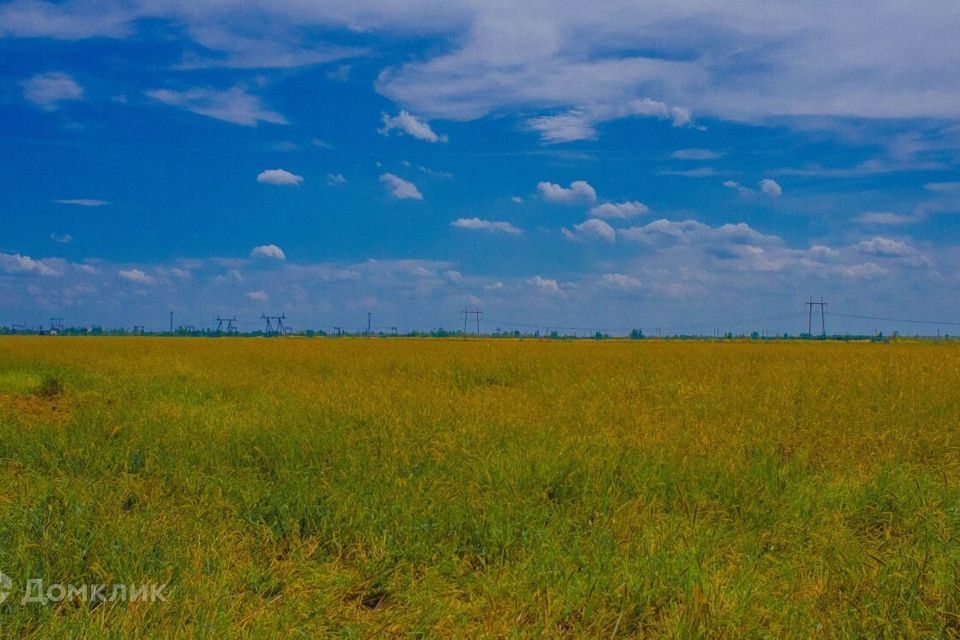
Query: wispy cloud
x=885, y=218
x=695, y=154
x=492, y=226
x=235, y=105
x=83, y=202
x=410, y=125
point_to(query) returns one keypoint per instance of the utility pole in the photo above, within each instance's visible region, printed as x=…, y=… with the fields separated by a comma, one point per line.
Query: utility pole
x=811, y=303
x=171, y=322
x=466, y=313
x=368, y=322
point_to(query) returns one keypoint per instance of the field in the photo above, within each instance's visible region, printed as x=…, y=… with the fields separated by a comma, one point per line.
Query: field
x=480, y=488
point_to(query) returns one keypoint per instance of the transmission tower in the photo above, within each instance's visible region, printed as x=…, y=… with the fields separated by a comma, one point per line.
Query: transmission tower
x=811, y=303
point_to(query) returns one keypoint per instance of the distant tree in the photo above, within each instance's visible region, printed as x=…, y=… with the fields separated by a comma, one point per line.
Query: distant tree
x=636, y=334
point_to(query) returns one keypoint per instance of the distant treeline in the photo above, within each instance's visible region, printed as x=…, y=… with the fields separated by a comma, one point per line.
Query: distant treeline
x=636, y=334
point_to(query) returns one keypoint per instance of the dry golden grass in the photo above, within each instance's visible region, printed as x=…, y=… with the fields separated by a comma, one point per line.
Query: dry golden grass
x=483, y=488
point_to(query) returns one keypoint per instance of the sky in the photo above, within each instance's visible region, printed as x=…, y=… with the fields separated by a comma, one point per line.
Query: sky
x=683, y=167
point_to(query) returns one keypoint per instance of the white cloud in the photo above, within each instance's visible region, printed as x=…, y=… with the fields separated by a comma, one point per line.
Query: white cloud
x=578, y=191
x=884, y=218
x=766, y=186
x=259, y=295
x=83, y=202
x=279, y=177
x=591, y=229
x=886, y=247
x=234, y=105
x=699, y=172
x=942, y=187
x=620, y=281
x=336, y=179
x=411, y=125
x=478, y=224
x=136, y=275
x=399, y=188
x=742, y=190
x=619, y=210
x=434, y=173
x=695, y=154
x=545, y=285
x=64, y=238
x=694, y=231
x=17, y=263
x=516, y=200
x=270, y=251
x=493, y=286
x=565, y=127
x=734, y=60
x=770, y=188
x=580, y=124
x=48, y=90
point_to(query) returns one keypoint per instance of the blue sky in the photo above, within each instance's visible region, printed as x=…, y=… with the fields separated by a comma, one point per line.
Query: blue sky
x=612, y=165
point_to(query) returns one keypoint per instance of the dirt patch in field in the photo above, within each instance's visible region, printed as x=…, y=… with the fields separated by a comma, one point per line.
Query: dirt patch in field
x=36, y=408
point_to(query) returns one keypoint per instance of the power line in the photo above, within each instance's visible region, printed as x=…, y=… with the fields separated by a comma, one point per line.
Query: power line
x=904, y=320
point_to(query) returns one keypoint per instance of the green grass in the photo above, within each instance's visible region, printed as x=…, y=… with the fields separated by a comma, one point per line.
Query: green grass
x=367, y=488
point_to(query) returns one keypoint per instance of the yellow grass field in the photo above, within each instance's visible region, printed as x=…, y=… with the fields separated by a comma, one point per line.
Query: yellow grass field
x=481, y=488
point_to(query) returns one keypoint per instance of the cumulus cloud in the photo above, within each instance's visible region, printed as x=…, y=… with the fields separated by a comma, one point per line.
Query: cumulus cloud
x=620, y=281
x=578, y=191
x=695, y=154
x=234, y=105
x=48, y=90
x=545, y=285
x=336, y=179
x=886, y=247
x=687, y=231
x=83, y=202
x=270, y=251
x=401, y=189
x=410, y=125
x=770, y=188
x=491, y=226
x=136, y=275
x=628, y=209
x=259, y=295
x=591, y=229
x=17, y=263
x=64, y=238
x=516, y=199
x=279, y=177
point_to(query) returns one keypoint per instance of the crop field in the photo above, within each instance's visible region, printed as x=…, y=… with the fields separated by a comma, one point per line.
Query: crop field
x=361, y=488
